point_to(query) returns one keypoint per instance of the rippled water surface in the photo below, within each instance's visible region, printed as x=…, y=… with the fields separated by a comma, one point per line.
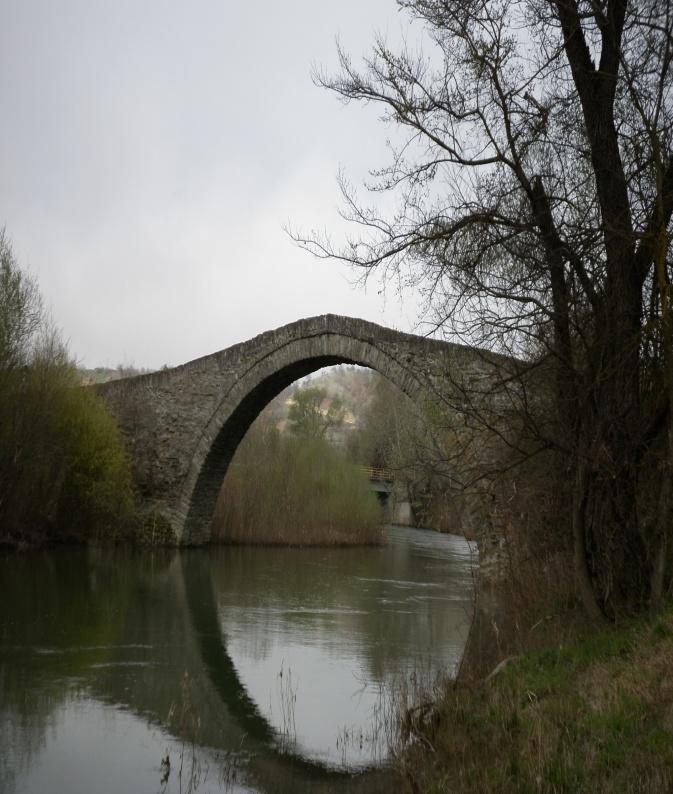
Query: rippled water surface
x=228, y=669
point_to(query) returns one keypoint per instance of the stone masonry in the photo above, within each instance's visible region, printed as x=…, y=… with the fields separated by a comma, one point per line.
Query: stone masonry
x=183, y=425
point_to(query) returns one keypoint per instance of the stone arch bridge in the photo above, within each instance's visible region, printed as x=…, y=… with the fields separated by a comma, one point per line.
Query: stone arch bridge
x=183, y=424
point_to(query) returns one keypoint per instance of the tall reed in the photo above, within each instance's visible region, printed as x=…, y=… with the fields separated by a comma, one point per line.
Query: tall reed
x=284, y=489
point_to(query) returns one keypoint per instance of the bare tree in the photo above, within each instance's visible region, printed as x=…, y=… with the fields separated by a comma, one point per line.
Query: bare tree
x=534, y=185
x=21, y=311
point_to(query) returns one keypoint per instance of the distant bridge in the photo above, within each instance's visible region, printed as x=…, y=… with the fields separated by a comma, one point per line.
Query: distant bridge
x=380, y=480
x=183, y=425
x=379, y=475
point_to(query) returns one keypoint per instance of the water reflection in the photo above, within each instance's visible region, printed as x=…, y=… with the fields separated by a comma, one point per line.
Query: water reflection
x=95, y=646
x=346, y=625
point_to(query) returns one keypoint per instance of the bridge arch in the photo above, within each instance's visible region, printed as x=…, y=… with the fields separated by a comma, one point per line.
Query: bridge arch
x=183, y=424
x=249, y=394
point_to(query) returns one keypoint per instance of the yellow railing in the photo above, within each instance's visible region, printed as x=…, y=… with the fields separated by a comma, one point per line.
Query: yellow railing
x=385, y=475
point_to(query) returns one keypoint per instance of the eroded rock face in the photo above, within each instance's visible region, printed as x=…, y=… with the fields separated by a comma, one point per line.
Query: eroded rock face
x=183, y=424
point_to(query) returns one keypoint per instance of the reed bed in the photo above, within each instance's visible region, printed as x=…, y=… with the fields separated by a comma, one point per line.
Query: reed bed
x=287, y=490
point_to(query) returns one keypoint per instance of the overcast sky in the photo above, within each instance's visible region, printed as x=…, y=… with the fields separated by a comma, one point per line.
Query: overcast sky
x=150, y=153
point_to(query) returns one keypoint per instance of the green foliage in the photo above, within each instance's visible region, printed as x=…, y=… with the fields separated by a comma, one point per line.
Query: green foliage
x=294, y=490
x=63, y=469
x=312, y=415
x=97, y=493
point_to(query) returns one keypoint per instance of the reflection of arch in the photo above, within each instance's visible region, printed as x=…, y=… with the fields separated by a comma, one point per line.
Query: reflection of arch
x=211, y=643
x=224, y=677
x=249, y=394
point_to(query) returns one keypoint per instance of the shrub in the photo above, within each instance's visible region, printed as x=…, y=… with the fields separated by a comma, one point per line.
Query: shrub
x=63, y=469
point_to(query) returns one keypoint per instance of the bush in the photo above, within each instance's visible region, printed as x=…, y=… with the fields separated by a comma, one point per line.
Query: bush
x=63, y=469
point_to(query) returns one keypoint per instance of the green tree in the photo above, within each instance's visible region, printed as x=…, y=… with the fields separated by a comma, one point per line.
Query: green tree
x=533, y=171
x=312, y=415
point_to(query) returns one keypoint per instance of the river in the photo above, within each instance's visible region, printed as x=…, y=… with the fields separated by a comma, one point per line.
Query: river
x=241, y=669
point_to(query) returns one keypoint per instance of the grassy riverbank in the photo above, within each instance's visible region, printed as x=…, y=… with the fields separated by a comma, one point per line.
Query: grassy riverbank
x=594, y=713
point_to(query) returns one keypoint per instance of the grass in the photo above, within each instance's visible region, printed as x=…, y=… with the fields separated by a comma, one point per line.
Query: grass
x=593, y=714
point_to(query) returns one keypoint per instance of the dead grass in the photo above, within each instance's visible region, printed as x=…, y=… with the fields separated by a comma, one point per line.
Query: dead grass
x=594, y=713
x=283, y=490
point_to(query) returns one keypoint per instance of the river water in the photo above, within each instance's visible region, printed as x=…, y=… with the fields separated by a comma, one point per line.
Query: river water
x=239, y=669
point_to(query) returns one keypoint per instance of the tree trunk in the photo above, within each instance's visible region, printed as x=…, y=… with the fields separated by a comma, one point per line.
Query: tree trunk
x=618, y=561
x=581, y=569
x=663, y=520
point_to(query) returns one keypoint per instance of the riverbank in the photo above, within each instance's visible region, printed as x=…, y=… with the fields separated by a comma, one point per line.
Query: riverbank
x=591, y=714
